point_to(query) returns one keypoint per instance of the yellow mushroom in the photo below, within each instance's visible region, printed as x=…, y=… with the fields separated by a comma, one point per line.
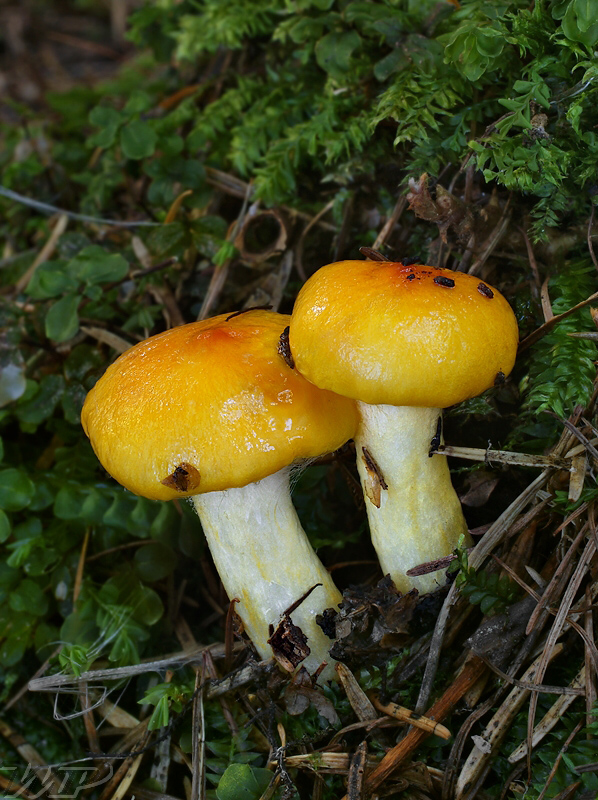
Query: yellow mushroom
x=406, y=342
x=211, y=411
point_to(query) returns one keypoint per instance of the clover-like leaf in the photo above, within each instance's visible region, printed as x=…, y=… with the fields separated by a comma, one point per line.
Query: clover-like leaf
x=94, y=265
x=16, y=489
x=138, y=139
x=108, y=120
x=62, y=319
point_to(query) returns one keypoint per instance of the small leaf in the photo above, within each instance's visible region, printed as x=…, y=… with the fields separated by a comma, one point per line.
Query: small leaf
x=138, y=102
x=138, y=140
x=487, y=602
x=160, y=715
x=108, y=120
x=334, y=51
x=124, y=649
x=587, y=13
x=51, y=279
x=94, y=265
x=154, y=561
x=43, y=497
x=489, y=42
x=68, y=502
x=5, y=527
x=150, y=608
x=118, y=513
x=72, y=402
x=81, y=361
x=62, y=320
x=168, y=239
x=41, y=406
x=13, y=648
x=243, y=782
x=95, y=506
x=16, y=490
x=579, y=30
x=393, y=62
x=28, y=597
x=75, y=658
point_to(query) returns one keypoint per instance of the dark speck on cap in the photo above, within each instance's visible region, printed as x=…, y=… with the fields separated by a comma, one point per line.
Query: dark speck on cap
x=440, y=280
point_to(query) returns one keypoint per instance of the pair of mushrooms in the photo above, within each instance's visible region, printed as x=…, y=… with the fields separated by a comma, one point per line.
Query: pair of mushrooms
x=216, y=411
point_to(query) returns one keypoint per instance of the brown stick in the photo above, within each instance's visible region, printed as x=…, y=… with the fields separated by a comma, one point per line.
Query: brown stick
x=441, y=708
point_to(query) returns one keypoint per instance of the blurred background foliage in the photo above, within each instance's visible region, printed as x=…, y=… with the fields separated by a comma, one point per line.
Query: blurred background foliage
x=156, y=147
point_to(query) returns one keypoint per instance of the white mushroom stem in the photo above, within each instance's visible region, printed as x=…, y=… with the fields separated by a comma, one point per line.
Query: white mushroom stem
x=419, y=518
x=264, y=559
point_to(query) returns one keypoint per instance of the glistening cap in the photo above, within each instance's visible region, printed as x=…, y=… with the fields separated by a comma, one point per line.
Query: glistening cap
x=210, y=406
x=385, y=333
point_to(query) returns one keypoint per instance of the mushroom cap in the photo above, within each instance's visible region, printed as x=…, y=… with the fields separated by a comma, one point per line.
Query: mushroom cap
x=385, y=333
x=210, y=406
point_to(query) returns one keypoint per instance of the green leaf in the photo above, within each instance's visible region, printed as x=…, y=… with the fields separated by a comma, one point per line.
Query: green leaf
x=51, y=279
x=13, y=648
x=580, y=29
x=168, y=240
x=28, y=597
x=162, y=524
x=138, y=102
x=43, y=497
x=95, y=506
x=109, y=121
x=68, y=502
x=334, y=52
x=75, y=658
x=95, y=265
x=138, y=139
x=104, y=117
x=118, y=513
x=62, y=319
x=141, y=517
x=243, y=782
x=41, y=406
x=83, y=359
x=226, y=251
x=154, y=561
x=487, y=602
x=72, y=402
x=124, y=649
x=490, y=42
x=587, y=13
x=160, y=714
x=16, y=490
x=9, y=576
x=5, y=527
x=391, y=63
x=77, y=629
x=150, y=608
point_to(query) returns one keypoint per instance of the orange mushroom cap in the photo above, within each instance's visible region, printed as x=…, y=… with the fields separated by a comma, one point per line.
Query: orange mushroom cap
x=385, y=333
x=210, y=406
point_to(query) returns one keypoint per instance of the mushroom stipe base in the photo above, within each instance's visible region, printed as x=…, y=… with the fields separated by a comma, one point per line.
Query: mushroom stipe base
x=264, y=559
x=417, y=517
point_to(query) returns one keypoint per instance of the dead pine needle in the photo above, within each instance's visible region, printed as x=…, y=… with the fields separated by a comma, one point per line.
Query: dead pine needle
x=406, y=715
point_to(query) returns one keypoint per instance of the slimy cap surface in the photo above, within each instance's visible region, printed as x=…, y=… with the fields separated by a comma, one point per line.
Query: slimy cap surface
x=385, y=333
x=210, y=406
